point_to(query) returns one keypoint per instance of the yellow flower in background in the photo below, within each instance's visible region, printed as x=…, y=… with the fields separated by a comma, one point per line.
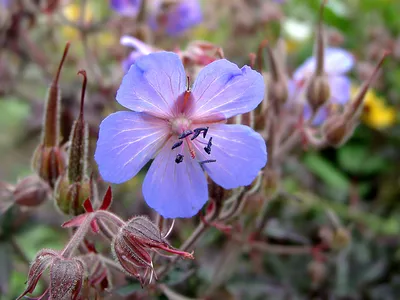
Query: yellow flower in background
x=73, y=13
x=376, y=113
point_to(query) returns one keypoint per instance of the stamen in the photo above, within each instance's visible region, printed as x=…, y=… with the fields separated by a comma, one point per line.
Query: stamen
x=179, y=158
x=197, y=132
x=185, y=134
x=208, y=147
x=176, y=145
x=207, y=161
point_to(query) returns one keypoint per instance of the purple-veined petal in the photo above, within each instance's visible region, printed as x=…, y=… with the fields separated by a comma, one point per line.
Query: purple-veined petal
x=240, y=153
x=222, y=90
x=177, y=18
x=127, y=141
x=175, y=190
x=184, y=16
x=128, y=8
x=336, y=61
x=340, y=89
x=153, y=84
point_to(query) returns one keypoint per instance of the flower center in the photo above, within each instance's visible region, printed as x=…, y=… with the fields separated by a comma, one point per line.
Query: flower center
x=179, y=125
x=186, y=137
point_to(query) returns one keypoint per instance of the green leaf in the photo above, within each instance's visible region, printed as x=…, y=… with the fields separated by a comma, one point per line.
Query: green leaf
x=358, y=159
x=6, y=264
x=326, y=171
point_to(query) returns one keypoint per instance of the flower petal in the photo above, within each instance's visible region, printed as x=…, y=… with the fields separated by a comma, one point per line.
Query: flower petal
x=340, y=89
x=127, y=141
x=240, y=153
x=126, y=7
x=175, y=190
x=184, y=16
x=222, y=90
x=153, y=84
x=337, y=61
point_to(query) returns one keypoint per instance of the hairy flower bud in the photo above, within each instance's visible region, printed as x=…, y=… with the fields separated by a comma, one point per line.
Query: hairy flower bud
x=133, y=242
x=41, y=262
x=49, y=159
x=31, y=191
x=71, y=196
x=66, y=278
x=318, y=90
x=74, y=187
x=49, y=163
x=337, y=130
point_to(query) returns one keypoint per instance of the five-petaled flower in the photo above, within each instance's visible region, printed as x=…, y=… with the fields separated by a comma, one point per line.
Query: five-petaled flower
x=175, y=18
x=129, y=8
x=337, y=62
x=184, y=130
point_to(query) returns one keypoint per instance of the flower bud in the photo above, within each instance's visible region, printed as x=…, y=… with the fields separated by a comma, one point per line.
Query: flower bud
x=31, y=191
x=337, y=130
x=318, y=91
x=71, y=196
x=74, y=187
x=66, y=278
x=49, y=159
x=132, y=244
x=41, y=262
x=98, y=272
x=277, y=81
x=49, y=163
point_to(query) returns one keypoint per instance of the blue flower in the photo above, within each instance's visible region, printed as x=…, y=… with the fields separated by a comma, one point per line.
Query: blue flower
x=129, y=8
x=140, y=49
x=337, y=62
x=176, y=18
x=183, y=130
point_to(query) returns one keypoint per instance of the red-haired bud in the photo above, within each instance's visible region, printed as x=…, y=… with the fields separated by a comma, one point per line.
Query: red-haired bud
x=133, y=242
x=74, y=187
x=337, y=130
x=41, y=262
x=49, y=158
x=66, y=278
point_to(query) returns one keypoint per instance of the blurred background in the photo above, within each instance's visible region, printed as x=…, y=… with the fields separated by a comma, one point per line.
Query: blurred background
x=356, y=185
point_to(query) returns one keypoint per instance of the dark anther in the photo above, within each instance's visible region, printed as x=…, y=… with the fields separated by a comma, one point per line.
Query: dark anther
x=185, y=134
x=197, y=132
x=208, y=147
x=205, y=130
x=176, y=145
x=207, y=161
x=179, y=158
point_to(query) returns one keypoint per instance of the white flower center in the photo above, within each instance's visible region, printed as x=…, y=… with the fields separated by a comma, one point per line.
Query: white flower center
x=179, y=125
